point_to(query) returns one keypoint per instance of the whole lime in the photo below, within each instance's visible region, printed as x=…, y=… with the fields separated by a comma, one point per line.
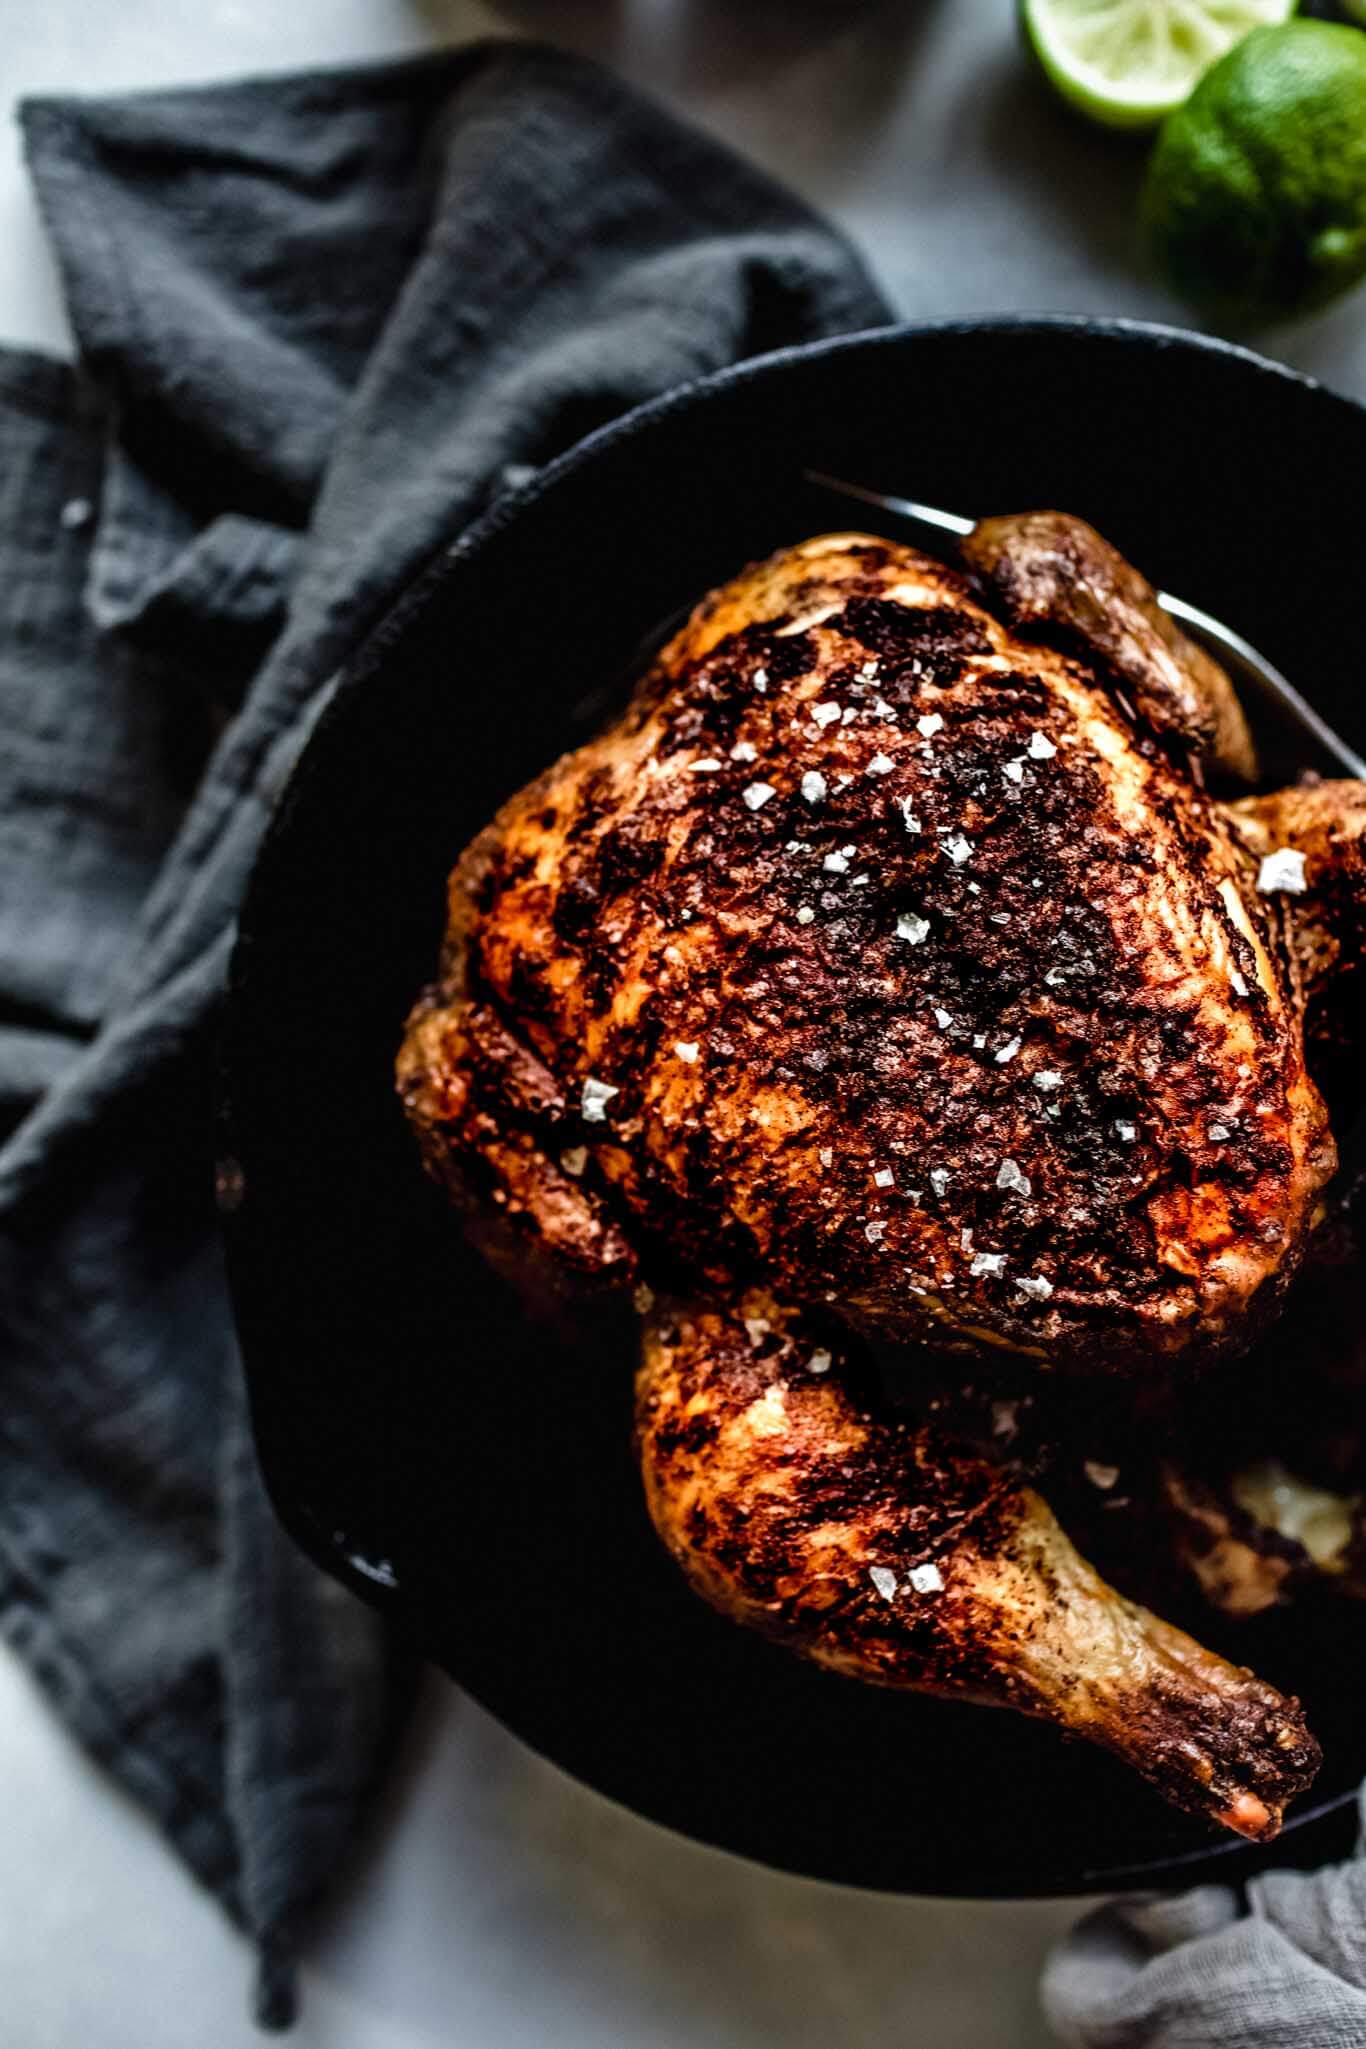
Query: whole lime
x=1255, y=198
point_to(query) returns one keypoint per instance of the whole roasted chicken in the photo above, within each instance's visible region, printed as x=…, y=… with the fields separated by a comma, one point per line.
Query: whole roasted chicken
x=885, y=976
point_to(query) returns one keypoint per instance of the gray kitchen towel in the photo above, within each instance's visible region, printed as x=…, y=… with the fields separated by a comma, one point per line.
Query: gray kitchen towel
x=320, y=320
x=1280, y=1966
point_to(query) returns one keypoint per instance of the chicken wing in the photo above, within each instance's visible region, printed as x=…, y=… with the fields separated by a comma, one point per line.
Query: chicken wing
x=1051, y=573
x=1309, y=843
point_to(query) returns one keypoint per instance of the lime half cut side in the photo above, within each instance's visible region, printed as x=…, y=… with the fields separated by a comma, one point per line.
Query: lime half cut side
x=1127, y=63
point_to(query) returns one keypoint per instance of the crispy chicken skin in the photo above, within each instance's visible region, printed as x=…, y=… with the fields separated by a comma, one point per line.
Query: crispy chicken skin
x=880, y=1551
x=888, y=962
x=985, y=1034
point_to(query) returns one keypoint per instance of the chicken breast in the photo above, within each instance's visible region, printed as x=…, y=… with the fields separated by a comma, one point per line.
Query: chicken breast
x=877, y=952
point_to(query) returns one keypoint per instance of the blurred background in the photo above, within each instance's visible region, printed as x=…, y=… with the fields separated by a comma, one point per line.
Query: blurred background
x=921, y=126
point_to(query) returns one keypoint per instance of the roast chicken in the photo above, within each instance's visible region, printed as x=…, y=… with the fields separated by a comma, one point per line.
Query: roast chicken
x=886, y=979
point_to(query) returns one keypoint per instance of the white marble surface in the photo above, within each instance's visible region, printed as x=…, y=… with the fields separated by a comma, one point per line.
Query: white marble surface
x=501, y=1907
x=501, y=1904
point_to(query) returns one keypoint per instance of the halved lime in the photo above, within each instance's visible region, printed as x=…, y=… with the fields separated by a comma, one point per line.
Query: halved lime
x=1127, y=63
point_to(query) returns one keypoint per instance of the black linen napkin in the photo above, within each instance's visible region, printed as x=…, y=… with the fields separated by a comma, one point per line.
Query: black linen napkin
x=320, y=320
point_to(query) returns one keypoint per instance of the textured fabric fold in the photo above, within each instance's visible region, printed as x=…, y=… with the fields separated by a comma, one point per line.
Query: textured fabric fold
x=321, y=321
x=1282, y=1968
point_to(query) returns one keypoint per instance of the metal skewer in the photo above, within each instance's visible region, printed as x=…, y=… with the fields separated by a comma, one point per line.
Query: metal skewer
x=1238, y=656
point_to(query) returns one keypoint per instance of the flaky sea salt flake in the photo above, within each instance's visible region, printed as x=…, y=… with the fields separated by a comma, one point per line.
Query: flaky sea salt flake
x=596, y=1096
x=758, y=794
x=1282, y=870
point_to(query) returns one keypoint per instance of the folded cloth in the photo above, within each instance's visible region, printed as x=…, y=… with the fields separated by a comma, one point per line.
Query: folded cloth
x=1283, y=1967
x=321, y=320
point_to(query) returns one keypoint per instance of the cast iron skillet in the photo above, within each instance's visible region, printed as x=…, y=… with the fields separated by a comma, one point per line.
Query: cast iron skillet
x=467, y=1468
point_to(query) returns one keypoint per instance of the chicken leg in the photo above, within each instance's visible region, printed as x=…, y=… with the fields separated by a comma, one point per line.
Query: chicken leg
x=874, y=1548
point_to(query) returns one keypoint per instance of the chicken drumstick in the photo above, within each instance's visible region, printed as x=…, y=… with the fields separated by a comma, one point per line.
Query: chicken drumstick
x=876, y=1549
